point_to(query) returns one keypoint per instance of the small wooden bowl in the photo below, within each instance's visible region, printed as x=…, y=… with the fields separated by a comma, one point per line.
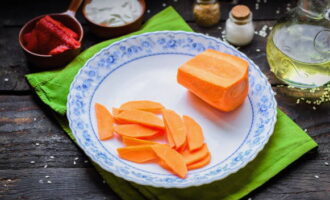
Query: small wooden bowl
x=103, y=31
x=40, y=60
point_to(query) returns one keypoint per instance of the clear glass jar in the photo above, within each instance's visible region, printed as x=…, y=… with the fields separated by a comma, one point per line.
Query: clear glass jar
x=239, y=26
x=206, y=12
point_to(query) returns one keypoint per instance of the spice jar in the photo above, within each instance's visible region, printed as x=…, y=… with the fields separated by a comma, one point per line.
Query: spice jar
x=239, y=26
x=206, y=12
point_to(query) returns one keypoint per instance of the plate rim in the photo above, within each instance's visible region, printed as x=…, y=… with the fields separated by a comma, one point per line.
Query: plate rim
x=227, y=45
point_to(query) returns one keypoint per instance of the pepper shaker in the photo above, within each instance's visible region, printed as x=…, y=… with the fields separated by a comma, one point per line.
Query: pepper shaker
x=206, y=12
x=239, y=26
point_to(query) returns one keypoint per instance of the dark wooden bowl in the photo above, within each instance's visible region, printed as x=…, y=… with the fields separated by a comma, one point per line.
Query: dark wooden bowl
x=103, y=31
x=48, y=61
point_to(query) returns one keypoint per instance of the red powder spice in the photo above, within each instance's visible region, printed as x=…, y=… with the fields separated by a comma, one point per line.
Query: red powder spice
x=50, y=37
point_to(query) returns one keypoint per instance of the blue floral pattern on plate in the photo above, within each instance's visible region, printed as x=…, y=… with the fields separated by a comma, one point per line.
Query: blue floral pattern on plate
x=166, y=42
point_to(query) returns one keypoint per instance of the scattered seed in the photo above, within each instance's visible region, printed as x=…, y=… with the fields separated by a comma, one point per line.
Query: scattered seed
x=164, y=4
x=76, y=158
x=46, y=176
x=249, y=198
x=34, y=119
x=277, y=11
x=103, y=181
x=316, y=176
x=6, y=79
x=305, y=130
x=85, y=161
x=45, y=166
x=74, y=162
x=9, y=180
x=37, y=144
x=257, y=50
x=32, y=162
x=175, y=0
x=148, y=11
x=49, y=181
x=314, y=108
x=326, y=163
x=41, y=181
x=51, y=157
x=219, y=27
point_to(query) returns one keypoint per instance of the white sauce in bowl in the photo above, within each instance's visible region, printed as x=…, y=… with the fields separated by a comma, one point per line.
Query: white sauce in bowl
x=113, y=12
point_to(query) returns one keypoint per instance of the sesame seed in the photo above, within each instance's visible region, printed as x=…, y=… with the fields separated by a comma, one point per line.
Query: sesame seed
x=6, y=79
x=219, y=27
x=74, y=162
x=41, y=181
x=76, y=158
x=164, y=4
x=32, y=162
x=45, y=166
x=148, y=11
x=257, y=50
x=103, y=181
x=37, y=144
x=9, y=180
x=175, y=0
x=85, y=161
x=46, y=176
x=277, y=11
x=316, y=176
x=49, y=181
x=314, y=108
x=326, y=163
x=305, y=130
x=51, y=157
x=34, y=119
x=249, y=198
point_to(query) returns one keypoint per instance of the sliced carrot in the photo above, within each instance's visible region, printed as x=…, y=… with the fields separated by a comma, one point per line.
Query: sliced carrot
x=195, y=137
x=191, y=157
x=182, y=148
x=164, y=165
x=104, y=122
x=144, y=105
x=201, y=163
x=169, y=138
x=139, y=117
x=138, y=154
x=219, y=79
x=172, y=159
x=115, y=111
x=135, y=130
x=129, y=141
x=175, y=126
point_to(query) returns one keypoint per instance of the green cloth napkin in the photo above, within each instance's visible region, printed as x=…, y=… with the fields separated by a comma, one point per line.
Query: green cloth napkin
x=287, y=143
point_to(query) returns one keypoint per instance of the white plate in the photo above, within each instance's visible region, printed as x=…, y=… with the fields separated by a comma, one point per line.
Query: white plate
x=144, y=67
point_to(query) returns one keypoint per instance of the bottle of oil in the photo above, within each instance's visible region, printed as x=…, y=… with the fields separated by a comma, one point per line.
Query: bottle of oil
x=298, y=48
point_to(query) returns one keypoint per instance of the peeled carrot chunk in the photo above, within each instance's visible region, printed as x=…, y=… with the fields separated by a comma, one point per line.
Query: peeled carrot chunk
x=135, y=130
x=115, y=111
x=172, y=159
x=191, y=157
x=129, y=141
x=138, y=154
x=139, y=117
x=144, y=105
x=164, y=165
x=219, y=79
x=195, y=137
x=176, y=127
x=104, y=122
x=201, y=163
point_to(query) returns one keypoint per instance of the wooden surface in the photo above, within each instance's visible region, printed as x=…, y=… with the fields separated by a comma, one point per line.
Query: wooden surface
x=39, y=161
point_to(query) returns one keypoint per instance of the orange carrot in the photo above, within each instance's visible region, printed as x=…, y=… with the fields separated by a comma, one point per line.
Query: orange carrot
x=115, y=111
x=144, y=105
x=176, y=127
x=169, y=138
x=195, y=137
x=129, y=141
x=139, y=117
x=173, y=159
x=191, y=157
x=201, y=163
x=104, y=122
x=138, y=154
x=219, y=79
x=135, y=130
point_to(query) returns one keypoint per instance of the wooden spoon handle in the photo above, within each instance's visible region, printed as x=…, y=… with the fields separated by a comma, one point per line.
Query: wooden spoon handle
x=73, y=7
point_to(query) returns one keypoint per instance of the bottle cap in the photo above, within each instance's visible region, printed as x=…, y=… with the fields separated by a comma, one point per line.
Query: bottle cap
x=240, y=12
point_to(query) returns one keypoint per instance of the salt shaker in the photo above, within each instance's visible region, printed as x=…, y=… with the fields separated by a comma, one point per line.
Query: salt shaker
x=239, y=26
x=206, y=12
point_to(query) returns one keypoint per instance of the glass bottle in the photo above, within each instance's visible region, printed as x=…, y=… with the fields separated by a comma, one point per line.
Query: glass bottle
x=206, y=12
x=298, y=47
